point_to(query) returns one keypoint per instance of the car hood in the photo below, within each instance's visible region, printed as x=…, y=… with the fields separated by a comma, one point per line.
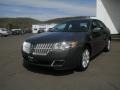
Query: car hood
x=52, y=37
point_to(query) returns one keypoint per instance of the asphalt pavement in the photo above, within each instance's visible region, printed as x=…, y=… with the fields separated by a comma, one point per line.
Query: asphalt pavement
x=102, y=74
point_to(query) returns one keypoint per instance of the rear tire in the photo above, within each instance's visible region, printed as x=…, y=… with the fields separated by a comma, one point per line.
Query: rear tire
x=108, y=46
x=0, y=35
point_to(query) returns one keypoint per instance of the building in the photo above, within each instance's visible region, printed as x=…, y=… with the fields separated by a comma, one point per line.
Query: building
x=108, y=11
x=41, y=27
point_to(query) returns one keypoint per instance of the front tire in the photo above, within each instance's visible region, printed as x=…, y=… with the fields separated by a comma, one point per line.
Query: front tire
x=84, y=60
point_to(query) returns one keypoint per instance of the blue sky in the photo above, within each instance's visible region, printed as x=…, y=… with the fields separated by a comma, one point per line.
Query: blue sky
x=47, y=9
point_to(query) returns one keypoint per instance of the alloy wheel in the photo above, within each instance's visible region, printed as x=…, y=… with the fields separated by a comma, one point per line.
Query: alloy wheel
x=108, y=45
x=85, y=58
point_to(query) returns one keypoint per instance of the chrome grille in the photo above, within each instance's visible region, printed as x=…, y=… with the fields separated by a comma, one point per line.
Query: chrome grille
x=41, y=49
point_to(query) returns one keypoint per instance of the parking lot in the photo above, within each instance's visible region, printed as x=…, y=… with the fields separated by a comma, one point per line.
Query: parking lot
x=102, y=74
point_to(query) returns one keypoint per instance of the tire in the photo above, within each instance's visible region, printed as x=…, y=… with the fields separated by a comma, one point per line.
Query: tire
x=84, y=60
x=5, y=35
x=0, y=35
x=108, y=46
x=39, y=31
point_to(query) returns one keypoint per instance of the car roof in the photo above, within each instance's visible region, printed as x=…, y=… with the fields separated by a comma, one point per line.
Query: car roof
x=86, y=19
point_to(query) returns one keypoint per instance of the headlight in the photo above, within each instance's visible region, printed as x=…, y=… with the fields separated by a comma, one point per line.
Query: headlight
x=26, y=47
x=64, y=45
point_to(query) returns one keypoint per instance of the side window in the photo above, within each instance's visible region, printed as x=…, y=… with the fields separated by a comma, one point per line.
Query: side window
x=70, y=27
x=83, y=26
x=73, y=26
x=78, y=26
x=96, y=32
x=94, y=25
x=102, y=25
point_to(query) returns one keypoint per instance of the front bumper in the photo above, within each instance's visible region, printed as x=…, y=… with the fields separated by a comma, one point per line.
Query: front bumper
x=59, y=60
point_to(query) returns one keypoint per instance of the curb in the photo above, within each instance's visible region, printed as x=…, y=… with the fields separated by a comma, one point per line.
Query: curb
x=116, y=39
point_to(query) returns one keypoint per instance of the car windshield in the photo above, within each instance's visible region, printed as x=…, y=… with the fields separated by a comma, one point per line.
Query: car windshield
x=72, y=26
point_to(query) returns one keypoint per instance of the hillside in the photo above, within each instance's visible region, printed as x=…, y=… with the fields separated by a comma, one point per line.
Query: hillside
x=57, y=20
x=26, y=23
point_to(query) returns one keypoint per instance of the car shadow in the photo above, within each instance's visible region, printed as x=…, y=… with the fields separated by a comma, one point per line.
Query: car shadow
x=46, y=70
x=93, y=58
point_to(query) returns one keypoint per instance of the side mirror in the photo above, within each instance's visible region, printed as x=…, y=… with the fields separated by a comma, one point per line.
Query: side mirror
x=97, y=29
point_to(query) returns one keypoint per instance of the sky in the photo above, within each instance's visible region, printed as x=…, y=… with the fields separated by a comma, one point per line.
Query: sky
x=47, y=9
